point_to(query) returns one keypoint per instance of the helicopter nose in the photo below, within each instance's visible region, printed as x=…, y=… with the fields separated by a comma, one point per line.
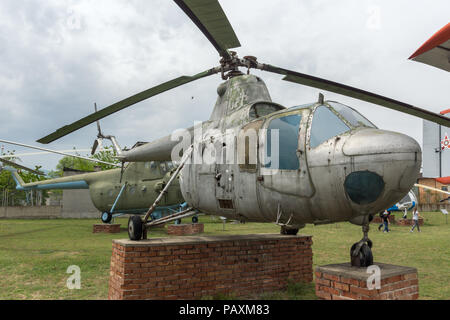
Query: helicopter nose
x=375, y=142
x=384, y=167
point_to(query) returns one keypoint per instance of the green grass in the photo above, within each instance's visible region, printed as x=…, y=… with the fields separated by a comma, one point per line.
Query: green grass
x=34, y=255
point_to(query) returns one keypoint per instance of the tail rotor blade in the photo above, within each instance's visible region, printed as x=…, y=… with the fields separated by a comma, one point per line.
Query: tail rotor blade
x=94, y=147
x=98, y=123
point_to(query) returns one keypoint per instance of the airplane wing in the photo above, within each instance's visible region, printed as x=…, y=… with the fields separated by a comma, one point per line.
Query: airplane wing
x=436, y=51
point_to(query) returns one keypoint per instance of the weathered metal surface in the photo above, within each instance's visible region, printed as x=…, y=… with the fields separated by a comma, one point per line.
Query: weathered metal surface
x=315, y=193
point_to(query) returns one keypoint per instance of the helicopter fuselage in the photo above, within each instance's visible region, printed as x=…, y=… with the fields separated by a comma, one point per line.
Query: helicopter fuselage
x=141, y=183
x=255, y=160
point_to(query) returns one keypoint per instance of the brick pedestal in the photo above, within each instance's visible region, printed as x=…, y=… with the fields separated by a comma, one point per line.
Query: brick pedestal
x=106, y=228
x=185, y=229
x=378, y=220
x=195, y=267
x=409, y=222
x=344, y=282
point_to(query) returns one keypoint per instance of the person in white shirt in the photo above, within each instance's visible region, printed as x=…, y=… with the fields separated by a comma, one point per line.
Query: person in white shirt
x=416, y=217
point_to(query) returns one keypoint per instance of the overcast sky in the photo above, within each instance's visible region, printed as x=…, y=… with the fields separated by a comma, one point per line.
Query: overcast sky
x=59, y=57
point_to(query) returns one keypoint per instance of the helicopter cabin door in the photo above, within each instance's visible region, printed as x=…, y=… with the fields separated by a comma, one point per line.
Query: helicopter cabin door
x=284, y=168
x=224, y=182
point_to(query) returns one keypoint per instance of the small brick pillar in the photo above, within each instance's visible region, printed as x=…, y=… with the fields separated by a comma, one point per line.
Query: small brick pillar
x=409, y=222
x=185, y=229
x=344, y=282
x=106, y=228
x=378, y=220
x=194, y=267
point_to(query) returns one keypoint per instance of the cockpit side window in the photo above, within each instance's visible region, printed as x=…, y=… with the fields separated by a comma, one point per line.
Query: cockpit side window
x=352, y=116
x=288, y=130
x=325, y=125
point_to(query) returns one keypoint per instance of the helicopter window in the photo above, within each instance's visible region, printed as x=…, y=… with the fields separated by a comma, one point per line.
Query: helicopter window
x=150, y=165
x=163, y=167
x=170, y=165
x=351, y=115
x=288, y=129
x=325, y=126
x=263, y=109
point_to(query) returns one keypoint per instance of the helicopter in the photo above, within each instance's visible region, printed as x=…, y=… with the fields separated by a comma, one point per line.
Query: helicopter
x=114, y=192
x=256, y=160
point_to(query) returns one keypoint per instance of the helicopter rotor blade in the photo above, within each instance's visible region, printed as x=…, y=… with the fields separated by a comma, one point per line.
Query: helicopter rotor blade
x=125, y=104
x=352, y=92
x=58, y=152
x=210, y=18
x=18, y=166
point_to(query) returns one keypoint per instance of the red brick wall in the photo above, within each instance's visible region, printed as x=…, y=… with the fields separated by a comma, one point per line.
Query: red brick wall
x=106, y=228
x=331, y=286
x=185, y=229
x=378, y=220
x=409, y=222
x=194, y=267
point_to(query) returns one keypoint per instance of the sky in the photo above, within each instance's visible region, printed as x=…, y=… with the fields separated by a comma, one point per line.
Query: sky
x=59, y=57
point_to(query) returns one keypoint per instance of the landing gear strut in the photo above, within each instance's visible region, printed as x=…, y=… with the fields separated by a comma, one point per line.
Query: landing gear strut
x=361, y=252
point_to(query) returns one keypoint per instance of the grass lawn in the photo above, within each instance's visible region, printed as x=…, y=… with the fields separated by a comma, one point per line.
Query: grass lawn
x=34, y=255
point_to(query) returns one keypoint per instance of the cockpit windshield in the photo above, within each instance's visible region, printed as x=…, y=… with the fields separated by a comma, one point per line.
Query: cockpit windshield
x=351, y=115
x=325, y=125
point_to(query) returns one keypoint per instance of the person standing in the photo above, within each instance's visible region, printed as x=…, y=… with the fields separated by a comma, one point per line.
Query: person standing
x=385, y=221
x=382, y=221
x=416, y=217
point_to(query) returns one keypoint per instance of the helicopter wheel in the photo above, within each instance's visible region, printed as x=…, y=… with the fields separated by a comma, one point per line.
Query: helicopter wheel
x=289, y=231
x=364, y=257
x=135, y=228
x=106, y=217
x=194, y=219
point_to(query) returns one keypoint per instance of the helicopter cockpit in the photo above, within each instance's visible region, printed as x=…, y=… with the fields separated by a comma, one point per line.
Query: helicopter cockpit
x=328, y=121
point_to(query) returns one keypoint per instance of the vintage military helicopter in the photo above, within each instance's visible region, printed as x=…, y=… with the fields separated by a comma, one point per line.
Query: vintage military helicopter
x=319, y=163
x=116, y=192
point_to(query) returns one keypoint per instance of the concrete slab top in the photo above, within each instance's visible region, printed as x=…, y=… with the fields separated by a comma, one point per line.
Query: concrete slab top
x=346, y=270
x=203, y=239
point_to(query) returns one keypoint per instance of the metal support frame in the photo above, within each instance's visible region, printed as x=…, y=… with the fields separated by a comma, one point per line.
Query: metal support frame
x=118, y=197
x=175, y=216
x=179, y=215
